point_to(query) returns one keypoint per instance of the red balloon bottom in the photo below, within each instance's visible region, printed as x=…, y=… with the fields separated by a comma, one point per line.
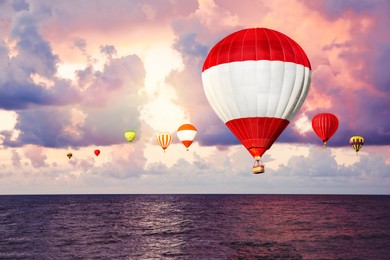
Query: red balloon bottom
x=257, y=134
x=186, y=143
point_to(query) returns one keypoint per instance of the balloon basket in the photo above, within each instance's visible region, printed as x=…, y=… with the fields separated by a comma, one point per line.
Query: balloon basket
x=258, y=167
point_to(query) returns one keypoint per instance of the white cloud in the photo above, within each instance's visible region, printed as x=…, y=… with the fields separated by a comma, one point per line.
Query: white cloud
x=36, y=155
x=8, y=120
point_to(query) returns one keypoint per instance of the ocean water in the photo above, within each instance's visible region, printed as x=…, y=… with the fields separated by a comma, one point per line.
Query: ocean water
x=195, y=227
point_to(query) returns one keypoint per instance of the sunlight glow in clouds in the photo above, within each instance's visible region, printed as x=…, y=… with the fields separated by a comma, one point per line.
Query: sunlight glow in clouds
x=303, y=124
x=67, y=70
x=8, y=120
x=161, y=113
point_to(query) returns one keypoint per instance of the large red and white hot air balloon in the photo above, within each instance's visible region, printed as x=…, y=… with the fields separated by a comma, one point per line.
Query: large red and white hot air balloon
x=164, y=140
x=186, y=134
x=256, y=80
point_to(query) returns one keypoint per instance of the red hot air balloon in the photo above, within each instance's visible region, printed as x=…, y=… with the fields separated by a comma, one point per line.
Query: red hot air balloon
x=325, y=125
x=256, y=80
x=97, y=152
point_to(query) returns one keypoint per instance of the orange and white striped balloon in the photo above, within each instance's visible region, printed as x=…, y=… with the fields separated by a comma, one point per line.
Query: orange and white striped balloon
x=186, y=134
x=164, y=140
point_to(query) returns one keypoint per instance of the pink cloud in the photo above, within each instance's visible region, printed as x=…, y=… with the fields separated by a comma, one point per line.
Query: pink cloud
x=36, y=155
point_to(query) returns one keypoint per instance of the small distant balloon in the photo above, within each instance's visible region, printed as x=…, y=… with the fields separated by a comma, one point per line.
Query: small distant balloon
x=186, y=134
x=97, y=152
x=164, y=140
x=130, y=135
x=325, y=126
x=69, y=155
x=357, y=142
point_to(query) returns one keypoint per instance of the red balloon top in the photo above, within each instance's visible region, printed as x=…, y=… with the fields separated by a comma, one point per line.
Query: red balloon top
x=325, y=125
x=256, y=44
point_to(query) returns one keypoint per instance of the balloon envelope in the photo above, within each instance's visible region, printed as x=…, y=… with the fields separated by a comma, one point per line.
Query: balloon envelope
x=130, y=135
x=164, y=140
x=97, y=152
x=256, y=80
x=186, y=134
x=69, y=155
x=325, y=126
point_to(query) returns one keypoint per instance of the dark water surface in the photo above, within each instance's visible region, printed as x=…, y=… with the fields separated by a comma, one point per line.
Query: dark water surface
x=195, y=227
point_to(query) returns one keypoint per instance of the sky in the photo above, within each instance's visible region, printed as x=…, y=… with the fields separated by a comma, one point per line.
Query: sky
x=75, y=75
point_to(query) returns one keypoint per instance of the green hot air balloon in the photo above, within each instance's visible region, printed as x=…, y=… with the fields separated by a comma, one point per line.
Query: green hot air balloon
x=130, y=135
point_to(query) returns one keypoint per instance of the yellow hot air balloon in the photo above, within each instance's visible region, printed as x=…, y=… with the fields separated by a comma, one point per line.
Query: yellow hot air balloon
x=164, y=140
x=357, y=142
x=130, y=135
x=69, y=155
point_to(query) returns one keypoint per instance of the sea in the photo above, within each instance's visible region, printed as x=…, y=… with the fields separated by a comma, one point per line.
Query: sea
x=195, y=226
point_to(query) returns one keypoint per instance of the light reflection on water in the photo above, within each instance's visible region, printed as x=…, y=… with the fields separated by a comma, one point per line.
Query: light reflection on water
x=194, y=227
